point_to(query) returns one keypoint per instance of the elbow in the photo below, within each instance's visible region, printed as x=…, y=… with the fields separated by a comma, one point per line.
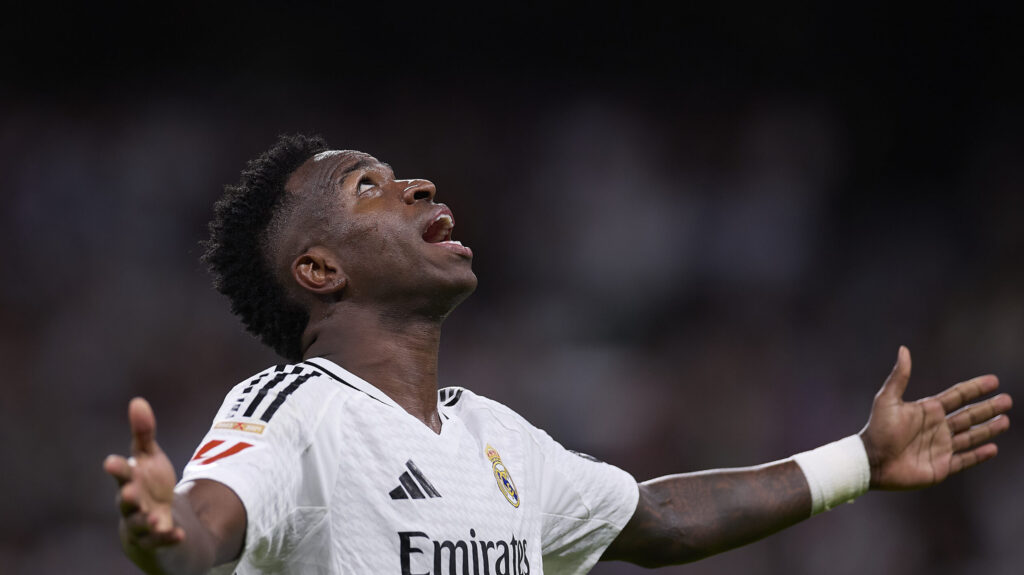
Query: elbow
x=668, y=541
x=672, y=547
x=661, y=533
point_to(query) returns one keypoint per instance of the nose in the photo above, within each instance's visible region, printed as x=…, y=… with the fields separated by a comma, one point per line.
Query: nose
x=417, y=190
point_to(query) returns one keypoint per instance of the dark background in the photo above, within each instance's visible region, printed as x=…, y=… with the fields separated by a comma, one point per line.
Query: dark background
x=700, y=236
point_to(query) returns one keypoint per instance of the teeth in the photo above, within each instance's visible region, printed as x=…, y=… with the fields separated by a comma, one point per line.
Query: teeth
x=440, y=229
x=456, y=242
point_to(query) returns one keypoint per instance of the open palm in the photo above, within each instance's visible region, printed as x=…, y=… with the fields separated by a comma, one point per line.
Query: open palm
x=146, y=482
x=920, y=443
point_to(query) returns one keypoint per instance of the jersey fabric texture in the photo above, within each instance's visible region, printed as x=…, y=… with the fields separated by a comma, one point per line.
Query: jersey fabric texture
x=337, y=478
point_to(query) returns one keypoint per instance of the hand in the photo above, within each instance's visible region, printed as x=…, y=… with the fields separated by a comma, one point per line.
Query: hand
x=146, y=482
x=912, y=445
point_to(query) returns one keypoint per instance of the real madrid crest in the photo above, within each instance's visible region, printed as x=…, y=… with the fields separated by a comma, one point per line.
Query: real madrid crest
x=501, y=475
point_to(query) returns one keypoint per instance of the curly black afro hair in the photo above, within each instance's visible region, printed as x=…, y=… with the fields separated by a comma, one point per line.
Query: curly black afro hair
x=237, y=252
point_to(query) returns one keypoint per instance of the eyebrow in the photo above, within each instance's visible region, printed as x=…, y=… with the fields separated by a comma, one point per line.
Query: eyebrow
x=362, y=164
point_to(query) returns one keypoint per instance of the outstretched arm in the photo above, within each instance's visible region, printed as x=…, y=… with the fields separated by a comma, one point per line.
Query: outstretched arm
x=165, y=532
x=682, y=518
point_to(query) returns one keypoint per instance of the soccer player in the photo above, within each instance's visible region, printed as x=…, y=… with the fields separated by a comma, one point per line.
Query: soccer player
x=350, y=460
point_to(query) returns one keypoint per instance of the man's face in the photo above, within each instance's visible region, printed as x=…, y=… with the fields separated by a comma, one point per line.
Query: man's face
x=393, y=241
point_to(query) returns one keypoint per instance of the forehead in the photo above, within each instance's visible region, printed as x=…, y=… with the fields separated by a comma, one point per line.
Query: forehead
x=335, y=165
x=332, y=167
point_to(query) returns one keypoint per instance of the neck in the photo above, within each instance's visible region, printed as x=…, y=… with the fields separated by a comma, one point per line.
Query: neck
x=397, y=353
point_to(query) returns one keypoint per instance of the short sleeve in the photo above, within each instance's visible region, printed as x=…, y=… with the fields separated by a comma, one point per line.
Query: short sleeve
x=585, y=504
x=257, y=447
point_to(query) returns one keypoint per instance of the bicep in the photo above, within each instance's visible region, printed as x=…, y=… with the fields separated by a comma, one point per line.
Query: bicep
x=221, y=514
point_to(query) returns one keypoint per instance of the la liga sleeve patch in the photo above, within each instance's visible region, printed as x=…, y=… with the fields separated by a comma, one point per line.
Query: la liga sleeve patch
x=218, y=449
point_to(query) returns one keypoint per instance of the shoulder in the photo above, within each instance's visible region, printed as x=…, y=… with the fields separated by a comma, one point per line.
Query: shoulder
x=262, y=395
x=470, y=405
x=286, y=395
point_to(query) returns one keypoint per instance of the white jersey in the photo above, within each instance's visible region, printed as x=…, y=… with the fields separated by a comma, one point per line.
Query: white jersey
x=337, y=478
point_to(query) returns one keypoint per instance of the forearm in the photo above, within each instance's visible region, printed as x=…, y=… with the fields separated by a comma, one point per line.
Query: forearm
x=682, y=518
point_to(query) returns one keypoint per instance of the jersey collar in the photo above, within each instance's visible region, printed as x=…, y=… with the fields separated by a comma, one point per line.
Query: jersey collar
x=350, y=379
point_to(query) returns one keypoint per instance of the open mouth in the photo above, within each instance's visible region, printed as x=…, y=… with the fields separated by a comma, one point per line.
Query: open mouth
x=439, y=233
x=440, y=228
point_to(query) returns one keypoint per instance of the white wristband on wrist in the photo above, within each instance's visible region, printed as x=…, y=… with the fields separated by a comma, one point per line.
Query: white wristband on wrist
x=836, y=473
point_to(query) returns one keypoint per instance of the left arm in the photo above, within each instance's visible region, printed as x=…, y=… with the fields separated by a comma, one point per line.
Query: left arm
x=682, y=518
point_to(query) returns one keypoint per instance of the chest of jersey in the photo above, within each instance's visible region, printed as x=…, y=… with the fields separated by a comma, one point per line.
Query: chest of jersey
x=462, y=501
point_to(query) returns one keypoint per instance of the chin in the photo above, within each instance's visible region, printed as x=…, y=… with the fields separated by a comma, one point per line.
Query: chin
x=463, y=289
x=448, y=297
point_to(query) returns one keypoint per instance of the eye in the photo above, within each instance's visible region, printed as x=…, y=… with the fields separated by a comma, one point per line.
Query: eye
x=365, y=185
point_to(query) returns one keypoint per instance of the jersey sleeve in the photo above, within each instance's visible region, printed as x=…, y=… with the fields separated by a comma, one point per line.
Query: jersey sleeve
x=258, y=446
x=585, y=504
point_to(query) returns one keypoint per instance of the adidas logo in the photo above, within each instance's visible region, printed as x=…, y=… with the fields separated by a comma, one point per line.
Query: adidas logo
x=413, y=485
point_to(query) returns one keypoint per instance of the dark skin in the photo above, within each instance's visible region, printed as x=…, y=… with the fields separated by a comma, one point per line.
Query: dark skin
x=910, y=445
x=353, y=251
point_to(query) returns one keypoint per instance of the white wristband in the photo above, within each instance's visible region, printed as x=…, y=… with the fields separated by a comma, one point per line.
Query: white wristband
x=836, y=473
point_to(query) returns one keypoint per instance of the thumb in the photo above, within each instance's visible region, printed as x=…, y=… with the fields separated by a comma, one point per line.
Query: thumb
x=143, y=424
x=897, y=382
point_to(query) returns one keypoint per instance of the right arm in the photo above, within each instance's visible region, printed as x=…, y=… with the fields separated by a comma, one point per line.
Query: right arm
x=164, y=532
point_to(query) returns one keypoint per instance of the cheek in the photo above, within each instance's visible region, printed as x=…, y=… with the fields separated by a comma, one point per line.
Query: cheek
x=380, y=246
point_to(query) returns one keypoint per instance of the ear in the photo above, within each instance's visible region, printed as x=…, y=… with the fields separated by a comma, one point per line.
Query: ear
x=318, y=271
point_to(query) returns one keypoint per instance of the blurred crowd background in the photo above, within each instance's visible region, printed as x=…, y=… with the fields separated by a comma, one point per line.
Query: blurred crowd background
x=700, y=237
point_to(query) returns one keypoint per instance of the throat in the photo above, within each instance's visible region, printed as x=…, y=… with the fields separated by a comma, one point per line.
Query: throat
x=398, y=359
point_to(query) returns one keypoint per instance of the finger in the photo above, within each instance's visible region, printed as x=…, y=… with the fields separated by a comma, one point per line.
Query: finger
x=137, y=524
x=137, y=531
x=967, y=391
x=979, y=412
x=118, y=468
x=155, y=540
x=161, y=520
x=969, y=459
x=897, y=381
x=140, y=524
x=980, y=433
x=128, y=499
x=143, y=424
